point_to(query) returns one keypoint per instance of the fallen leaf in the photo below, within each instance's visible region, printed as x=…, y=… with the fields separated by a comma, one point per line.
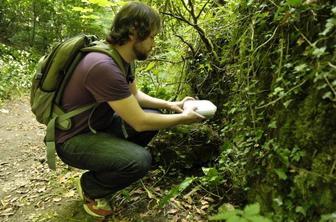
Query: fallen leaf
x=186, y=205
x=157, y=189
x=7, y=212
x=42, y=189
x=204, y=202
x=13, y=200
x=135, y=198
x=57, y=199
x=204, y=207
x=200, y=211
x=172, y=211
x=71, y=193
x=3, y=203
x=4, y=111
x=209, y=199
x=188, y=199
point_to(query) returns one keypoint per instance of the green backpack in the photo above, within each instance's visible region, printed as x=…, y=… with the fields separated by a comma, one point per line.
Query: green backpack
x=53, y=71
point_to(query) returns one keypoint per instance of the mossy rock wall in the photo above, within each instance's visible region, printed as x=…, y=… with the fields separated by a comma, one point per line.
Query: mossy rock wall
x=278, y=123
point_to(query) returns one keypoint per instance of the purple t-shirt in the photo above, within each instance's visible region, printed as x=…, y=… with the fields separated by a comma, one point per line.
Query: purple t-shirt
x=97, y=78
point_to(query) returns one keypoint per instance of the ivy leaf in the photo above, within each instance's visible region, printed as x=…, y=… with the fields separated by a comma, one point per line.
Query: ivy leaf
x=328, y=217
x=301, y=210
x=277, y=90
x=323, y=86
x=281, y=173
x=288, y=65
x=212, y=175
x=329, y=26
x=278, y=201
x=333, y=10
x=272, y=125
x=327, y=95
x=284, y=154
x=301, y=67
x=294, y=2
x=250, y=2
x=286, y=104
x=318, y=52
x=333, y=83
x=252, y=209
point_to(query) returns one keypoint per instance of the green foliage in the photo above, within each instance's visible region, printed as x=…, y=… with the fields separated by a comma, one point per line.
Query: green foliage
x=251, y=213
x=153, y=80
x=16, y=71
x=274, y=82
x=175, y=191
x=38, y=24
x=328, y=217
x=212, y=177
x=279, y=119
x=28, y=28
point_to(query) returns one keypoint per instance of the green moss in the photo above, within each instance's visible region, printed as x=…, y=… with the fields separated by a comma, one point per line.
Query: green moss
x=316, y=123
x=322, y=163
x=186, y=146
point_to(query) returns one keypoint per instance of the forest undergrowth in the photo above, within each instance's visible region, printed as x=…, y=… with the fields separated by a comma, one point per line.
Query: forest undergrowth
x=269, y=154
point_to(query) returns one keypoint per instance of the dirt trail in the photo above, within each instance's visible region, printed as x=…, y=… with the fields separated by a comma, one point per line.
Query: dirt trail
x=21, y=153
x=30, y=191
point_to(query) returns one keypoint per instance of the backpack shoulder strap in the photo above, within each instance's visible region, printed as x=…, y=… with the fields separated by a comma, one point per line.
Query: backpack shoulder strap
x=99, y=46
x=50, y=134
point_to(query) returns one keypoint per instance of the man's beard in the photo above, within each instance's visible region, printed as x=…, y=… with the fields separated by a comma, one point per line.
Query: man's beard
x=139, y=54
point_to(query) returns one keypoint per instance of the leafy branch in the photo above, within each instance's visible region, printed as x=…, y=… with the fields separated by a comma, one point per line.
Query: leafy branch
x=176, y=13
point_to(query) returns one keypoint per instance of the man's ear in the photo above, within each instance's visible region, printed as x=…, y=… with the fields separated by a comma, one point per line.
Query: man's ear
x=131, y=37
x=132, y=34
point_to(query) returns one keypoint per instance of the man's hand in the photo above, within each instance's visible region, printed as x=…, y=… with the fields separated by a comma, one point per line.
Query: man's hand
x=191, y=116
x=178, y=105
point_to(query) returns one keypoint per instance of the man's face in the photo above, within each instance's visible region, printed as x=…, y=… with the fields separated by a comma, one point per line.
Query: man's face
x=142, y=49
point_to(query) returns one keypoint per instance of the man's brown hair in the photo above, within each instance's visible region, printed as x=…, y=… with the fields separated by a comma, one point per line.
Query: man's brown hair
x=134, y=16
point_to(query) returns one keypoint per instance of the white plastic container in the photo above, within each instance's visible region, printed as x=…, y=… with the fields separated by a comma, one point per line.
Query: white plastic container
x=204, y=107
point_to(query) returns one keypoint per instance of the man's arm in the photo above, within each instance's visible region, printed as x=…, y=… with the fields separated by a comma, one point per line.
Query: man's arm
x=130, y=111
x=147, y=101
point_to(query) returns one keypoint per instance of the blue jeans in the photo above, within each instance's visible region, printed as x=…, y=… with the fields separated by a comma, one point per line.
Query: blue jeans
x=114, y=158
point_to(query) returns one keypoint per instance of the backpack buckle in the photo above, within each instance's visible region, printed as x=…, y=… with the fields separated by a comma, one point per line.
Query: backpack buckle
x=38, y=75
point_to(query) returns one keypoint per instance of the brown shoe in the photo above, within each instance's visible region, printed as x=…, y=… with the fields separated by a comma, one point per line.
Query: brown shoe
x=94, y=207
x=98, y=208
